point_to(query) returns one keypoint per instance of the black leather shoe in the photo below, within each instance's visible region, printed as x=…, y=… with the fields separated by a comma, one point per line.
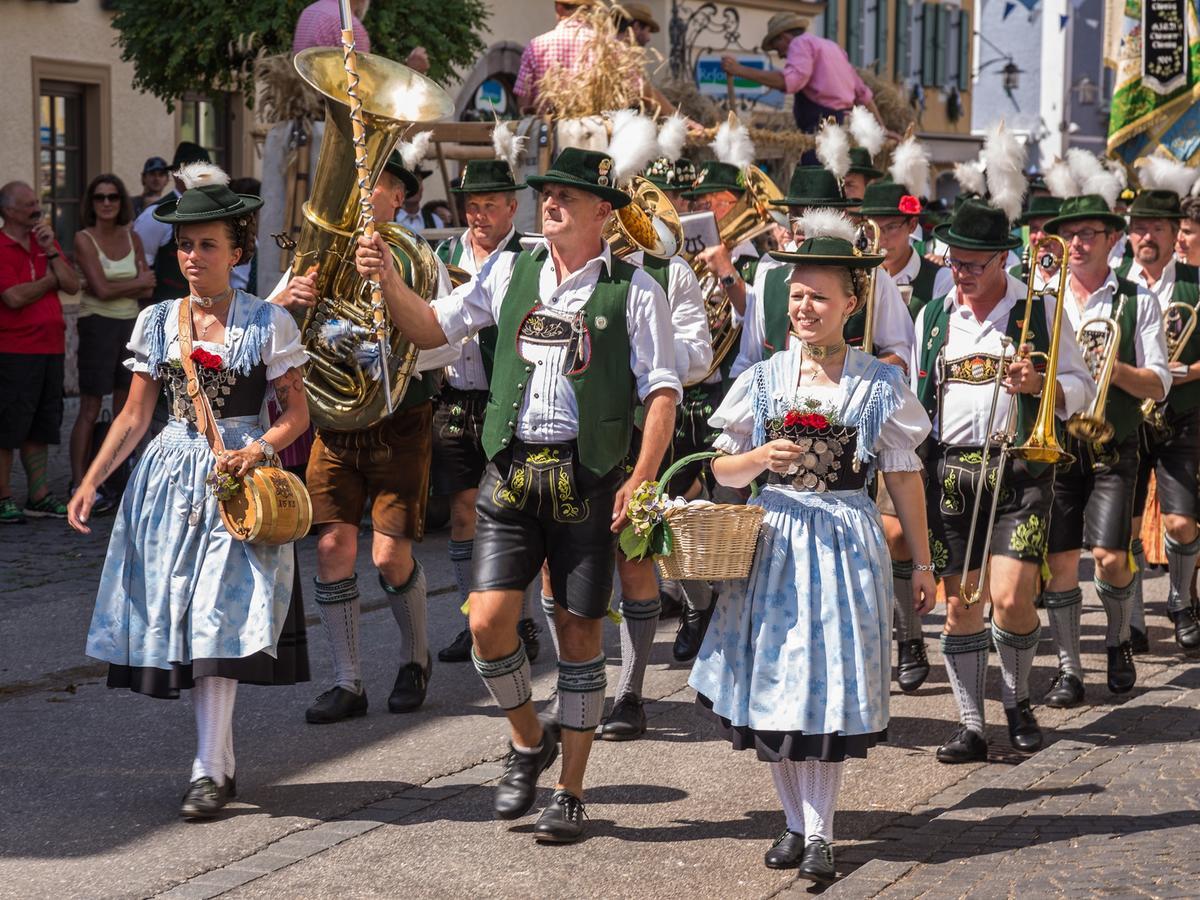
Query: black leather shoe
x=1066, y=692
x=1122, y=675
x=1023, y=730
x=562, y=821
x=529, y=631
x=692, y=625
x=336, y=704
x=1187, y=628
x=204, y=799
x=408, y=693
x=913, y=667
x=671, y=605
x=1139, y=640
x=459, y=649
x=964, y=747
x=817, y=862
x=518, y=785
x=626, y=722
x=785, y=853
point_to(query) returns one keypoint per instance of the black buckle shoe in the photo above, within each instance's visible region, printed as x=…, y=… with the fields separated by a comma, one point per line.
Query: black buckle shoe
x=408, y=693
x=1023, y=730
x=518, y=785
x=913, y=666
x=1122, y=675
x=204, y=799
x=785, y=853
x=562, y=821
x=965, y=746
x=528, y=631
x=692, y=626
x=817, y=862
x=1066, y=692
x=336, y=704
x=1187, y=628
x=459, y=649
x=626, y=722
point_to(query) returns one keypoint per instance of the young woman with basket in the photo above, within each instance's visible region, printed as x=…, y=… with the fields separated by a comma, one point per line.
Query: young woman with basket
x=795, y=665
x=183, y=602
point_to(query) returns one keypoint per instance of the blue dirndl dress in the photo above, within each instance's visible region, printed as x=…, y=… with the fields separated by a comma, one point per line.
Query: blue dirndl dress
x=795, y=662
x=179, y=598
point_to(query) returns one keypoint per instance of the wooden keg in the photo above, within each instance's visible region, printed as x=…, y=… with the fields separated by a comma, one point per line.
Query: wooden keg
x=273, y=507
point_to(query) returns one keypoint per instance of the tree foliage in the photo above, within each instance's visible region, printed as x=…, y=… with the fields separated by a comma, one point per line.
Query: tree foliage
x=177, y=46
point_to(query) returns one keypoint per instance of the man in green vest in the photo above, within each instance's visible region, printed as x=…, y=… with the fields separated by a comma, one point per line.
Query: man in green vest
x=1170, y=440
x=580, y=335
x=963, y=340
x=1094, y=494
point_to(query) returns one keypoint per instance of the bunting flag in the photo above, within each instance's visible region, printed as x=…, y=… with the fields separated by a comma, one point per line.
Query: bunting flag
x=1155, y=50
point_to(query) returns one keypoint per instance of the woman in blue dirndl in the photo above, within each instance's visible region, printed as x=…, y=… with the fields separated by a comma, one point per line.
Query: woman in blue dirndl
x=181, y=604
x=795, y=664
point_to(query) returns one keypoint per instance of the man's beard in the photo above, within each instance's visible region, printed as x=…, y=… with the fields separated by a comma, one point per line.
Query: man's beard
x=1149, y=253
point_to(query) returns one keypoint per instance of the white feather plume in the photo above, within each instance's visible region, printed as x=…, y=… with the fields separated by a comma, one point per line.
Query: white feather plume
x=1091, y=177
x=969, y=176
x=634, y=142
x=414, y=151
x=910, y=167
x=1060, y=181
x=866, y=130
x=833, y=149
x=1003, y=166
x=732, y=144
x=672, y=136
x=1158, y=173
x=198, y=174
x=826, y=223
x=509, y=146
x=1118, y=169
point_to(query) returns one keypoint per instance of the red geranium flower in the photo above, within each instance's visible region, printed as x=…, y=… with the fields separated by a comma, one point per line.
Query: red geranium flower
x=910, y=205
x=793, y=418
x=815, y=420
x=205, y=360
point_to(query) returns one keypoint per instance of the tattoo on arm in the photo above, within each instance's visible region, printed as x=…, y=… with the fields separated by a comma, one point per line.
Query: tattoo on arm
x=285, y=385
x=114, y=458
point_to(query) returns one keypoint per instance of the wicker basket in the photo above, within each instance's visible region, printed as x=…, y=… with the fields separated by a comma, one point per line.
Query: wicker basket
x=709, y=543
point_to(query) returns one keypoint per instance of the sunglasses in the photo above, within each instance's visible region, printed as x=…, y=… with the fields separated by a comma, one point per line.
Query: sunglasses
x=106, y=198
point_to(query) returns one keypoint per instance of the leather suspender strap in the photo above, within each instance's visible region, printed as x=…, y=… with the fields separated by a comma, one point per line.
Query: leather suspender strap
x=206, y=422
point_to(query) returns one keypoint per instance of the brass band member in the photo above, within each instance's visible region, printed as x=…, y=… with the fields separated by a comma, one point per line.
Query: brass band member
x=1039, y=210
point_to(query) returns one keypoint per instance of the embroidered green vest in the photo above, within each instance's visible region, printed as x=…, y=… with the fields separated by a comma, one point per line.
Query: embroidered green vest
x=1123, y=411
x=1186, y=397
x=604, y=390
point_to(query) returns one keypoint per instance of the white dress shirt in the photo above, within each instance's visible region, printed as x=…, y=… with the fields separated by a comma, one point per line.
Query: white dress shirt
x=1117, y=255
x=549, y=411
x=467, y=372
x=415, y=222
x=154, y=234
x=689, y=322
x=1162, y=289
x=963, y=418
x=943, y=282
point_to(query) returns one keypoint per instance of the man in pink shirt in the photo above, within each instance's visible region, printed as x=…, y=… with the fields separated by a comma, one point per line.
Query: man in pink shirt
x=320, y=25
x=564, y=46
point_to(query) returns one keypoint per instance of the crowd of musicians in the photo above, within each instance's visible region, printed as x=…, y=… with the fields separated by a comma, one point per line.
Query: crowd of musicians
x=971, y=402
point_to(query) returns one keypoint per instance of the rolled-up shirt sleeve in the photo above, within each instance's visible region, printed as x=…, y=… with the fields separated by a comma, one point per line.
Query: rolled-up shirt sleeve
x=651, y=343
x=475, y=305
x=750, y=347
x=798, y=69
x=693, y=343
x=1151, y=343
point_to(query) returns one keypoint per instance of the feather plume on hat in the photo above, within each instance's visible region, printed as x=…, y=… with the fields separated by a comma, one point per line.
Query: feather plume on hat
x=1118, y=169
x=1003, y=167
x=199, y=174
x=969, y=176
x=1060, y=181
x=833, y=149
x=866, y=130
x=1091, y=177
x=414, y=151
x=826, y=223
x=733, y=145
x=634, y=142
x=1158, y=173
x=672, y=136
x=509, y=146
x=910, y=167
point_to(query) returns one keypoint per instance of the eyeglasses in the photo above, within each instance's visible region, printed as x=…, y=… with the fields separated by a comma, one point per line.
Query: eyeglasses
x=968, y=268
x=1087, y=235
x=106, y=198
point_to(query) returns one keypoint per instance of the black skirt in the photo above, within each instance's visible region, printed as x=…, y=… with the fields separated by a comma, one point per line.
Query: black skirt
x=288, y=666
x=775, y=746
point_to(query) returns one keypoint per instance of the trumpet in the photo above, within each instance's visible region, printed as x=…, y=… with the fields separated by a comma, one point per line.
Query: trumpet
x=650, y=223
x=1042, y=444
x=1179, y=321
x=870, y=227
x=1100, y=339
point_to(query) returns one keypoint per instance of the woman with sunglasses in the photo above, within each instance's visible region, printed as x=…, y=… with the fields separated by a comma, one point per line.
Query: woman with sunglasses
x=110, y=257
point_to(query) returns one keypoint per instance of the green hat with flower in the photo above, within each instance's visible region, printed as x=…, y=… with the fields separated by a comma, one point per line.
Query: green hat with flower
x=887, y=198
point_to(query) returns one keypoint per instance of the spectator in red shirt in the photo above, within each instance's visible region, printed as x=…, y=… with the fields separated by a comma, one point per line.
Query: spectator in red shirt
x=32, y=271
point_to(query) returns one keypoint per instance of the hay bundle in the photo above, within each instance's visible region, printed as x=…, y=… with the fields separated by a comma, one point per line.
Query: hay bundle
x=282, y=94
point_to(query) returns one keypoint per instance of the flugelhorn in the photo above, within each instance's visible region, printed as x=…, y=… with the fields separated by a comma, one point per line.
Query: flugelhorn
x=1179, y=321
x=649, y=224
x=1103, y=341
x=871, y=238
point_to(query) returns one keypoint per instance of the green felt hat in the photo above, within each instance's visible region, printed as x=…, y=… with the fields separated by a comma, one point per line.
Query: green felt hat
x=587, y=170
x=206, y=204
x=1039, y=207
x=672, y=175
x=487, y=176
x=395, y=165
x=813, y=187
x=1079, y=209
x=977, y=225
x=828, y=251
x=714, y=177
x=887, y=198
x=1155, y=204
x=861, y=162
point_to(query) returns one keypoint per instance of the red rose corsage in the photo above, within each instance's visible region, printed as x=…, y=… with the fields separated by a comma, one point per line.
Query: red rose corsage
x=205, y=360
x=910, y=205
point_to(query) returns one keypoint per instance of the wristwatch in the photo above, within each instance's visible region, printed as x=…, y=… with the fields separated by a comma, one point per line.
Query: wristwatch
x=267, y=449
x=728, y=281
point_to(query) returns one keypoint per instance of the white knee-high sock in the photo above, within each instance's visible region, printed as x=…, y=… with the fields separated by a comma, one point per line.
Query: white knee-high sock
x=410, y=610
x=639, y=618
x=214, y=699
x=784, y=775
x=820, y=786
x=338, y=604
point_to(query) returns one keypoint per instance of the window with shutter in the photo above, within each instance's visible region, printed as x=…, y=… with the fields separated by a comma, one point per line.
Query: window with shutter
x=929, y=43
x=831, y=21
x=854, y=31
x=881, y=37
x=964, y=51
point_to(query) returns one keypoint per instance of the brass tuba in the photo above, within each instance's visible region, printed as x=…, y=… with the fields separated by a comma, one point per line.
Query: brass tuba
x=342, y=396
x=650, y=223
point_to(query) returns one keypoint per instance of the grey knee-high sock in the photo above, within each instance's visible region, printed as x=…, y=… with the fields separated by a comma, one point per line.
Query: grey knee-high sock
x=639, y=619
x=1017, y=652
x=507, y=679
x=338, y=604
x=1138, y=552
x=966, y=657
x=1118, y=608
x=548, y=607
x=1065, y=609
x=907, y=624
x=581, y=693
x=1181, y=562
x=409, y=607
x=460, y=553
